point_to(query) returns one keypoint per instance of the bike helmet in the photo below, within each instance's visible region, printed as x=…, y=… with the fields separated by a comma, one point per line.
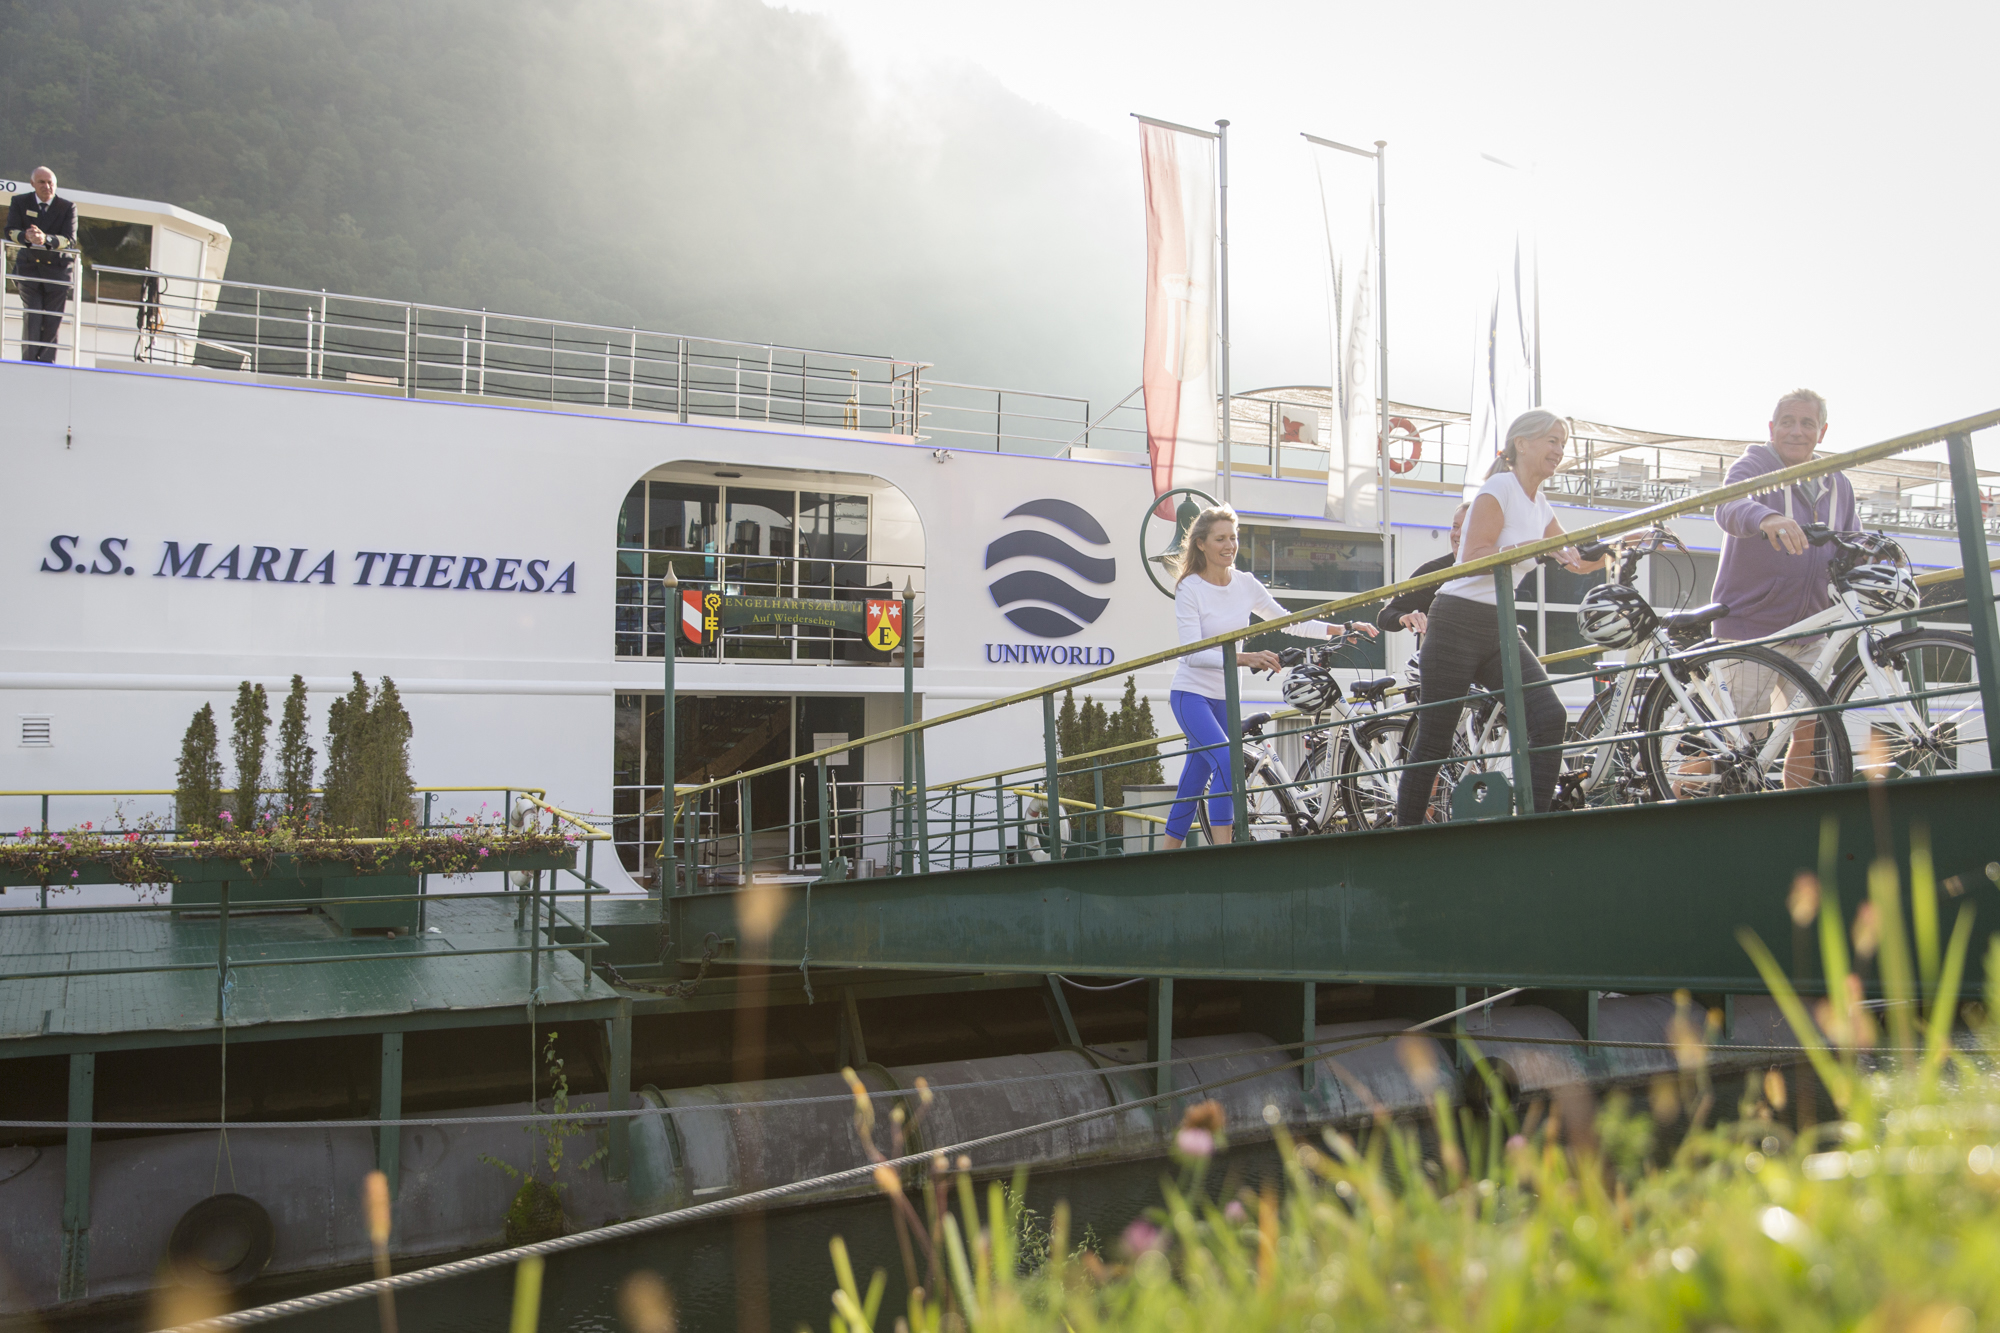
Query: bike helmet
x=1882, y=590
x=1615, y=616
x=1309, y=689
x=1876, y=571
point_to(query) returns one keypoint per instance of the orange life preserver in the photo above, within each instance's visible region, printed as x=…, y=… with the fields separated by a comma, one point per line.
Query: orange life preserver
x=1406, y=429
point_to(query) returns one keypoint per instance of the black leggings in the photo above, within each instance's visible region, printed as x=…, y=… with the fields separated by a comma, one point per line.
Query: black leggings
x=1463, y=647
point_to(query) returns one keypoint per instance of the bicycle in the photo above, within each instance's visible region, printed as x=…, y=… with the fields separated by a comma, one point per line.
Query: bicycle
x=1887, y=681
x=1688, y=729
x=1281, y=804
x=1671, y=730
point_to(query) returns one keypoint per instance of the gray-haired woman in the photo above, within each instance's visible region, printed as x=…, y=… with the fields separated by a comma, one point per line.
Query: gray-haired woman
x=1465, y=641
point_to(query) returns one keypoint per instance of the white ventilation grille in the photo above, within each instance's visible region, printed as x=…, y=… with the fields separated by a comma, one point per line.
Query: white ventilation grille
x=36, y=730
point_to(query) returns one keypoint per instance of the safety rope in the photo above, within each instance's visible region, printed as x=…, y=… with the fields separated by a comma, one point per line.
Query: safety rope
x=222, y=1122
x=720, y=1207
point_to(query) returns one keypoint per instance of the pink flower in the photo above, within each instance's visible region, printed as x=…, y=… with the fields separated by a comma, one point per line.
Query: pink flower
x=1233, y=1210
x=1142, y=1236
x=1195, y=1143
x=482, y=851
x=226, y=818
x=86, y=823
x=72, y=874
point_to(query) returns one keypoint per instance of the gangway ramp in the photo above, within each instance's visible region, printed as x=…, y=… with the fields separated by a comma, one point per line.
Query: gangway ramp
x=1640, y=898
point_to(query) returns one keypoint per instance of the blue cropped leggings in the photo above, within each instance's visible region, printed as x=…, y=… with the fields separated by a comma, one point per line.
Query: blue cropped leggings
x=1205, y=723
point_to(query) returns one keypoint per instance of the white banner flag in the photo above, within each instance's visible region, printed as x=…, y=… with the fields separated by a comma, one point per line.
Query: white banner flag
x=1347, y=202
x=1503, y=360
x=1179, y=377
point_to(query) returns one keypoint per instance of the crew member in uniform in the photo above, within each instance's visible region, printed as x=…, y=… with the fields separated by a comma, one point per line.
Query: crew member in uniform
x=44, y=226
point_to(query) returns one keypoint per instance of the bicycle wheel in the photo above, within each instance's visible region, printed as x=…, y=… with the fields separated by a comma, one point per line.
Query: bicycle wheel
x=1623, y=781
x=1942, y=731
x=1367, y=793
x=1368, y=763
x=1708, y=751
x=1274, y=813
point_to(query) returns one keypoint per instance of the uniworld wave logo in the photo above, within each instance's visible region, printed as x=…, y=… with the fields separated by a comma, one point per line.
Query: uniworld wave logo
x=1048, y=605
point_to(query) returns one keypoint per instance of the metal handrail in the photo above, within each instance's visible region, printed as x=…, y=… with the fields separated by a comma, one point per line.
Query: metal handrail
x=319, y=293
x=1769, y=481
x=679, y=373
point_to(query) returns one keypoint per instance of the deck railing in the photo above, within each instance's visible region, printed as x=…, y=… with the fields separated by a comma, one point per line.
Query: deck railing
x=414, y=349
x=911, y=826
x=537, y=898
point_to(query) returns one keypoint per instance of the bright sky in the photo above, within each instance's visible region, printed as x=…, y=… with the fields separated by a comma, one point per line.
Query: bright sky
x=1735, y=198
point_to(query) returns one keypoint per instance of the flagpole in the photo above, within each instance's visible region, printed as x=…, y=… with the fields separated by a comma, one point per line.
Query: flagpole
x=1222, y=177
x=1537, y=253
x=1382, y=352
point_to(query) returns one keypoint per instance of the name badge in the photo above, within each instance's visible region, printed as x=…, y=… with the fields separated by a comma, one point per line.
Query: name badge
x=33, y=214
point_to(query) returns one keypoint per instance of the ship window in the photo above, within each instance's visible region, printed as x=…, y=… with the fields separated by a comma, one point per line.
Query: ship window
x=1682, y=581
x=118, y=245
x=1311, y=560
x=750, y=542
x=1545, y=604
x=680, y=517
x=1306, y=566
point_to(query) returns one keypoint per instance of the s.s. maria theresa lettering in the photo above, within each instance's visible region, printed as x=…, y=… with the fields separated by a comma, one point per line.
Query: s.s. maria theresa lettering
x=462, y=573
x=250, y=563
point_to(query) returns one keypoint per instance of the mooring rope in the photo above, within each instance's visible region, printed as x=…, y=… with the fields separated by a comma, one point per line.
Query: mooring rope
x=719, y=1207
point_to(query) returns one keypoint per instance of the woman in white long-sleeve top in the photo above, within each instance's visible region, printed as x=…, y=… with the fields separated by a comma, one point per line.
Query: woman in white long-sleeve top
x=1213, y=597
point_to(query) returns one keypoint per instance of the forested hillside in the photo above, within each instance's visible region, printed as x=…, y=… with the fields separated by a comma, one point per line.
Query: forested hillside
x=709, y=166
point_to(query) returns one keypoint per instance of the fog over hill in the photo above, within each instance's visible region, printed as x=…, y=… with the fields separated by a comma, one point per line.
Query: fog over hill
x=705, y=166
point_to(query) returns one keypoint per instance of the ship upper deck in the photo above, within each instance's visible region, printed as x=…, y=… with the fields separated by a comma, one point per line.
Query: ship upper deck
x=160, y=302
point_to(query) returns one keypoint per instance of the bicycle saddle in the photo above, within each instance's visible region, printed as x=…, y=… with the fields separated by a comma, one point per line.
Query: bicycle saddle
x=1681, y=622
x=1372, y=690
x=1253, y=725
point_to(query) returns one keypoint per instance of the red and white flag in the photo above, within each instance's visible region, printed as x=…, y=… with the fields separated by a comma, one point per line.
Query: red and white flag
x=1179, y=379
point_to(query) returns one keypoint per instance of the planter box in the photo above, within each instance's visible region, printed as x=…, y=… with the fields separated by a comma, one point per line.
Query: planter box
x=244, y=892
x=351, y=917
x=197, y=883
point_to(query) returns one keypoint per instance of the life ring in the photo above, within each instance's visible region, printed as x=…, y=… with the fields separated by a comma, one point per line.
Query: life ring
x=1403, y=428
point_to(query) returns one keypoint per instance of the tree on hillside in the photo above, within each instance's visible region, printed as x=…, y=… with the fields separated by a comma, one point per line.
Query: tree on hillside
x=406, y=151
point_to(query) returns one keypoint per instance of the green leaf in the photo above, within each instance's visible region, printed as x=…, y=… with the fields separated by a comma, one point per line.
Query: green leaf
x=1830, y=1072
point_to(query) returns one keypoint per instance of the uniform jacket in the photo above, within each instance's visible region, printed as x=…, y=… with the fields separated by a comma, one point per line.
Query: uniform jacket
x=57, y=218
x=1391, y=616
x=1765, y=589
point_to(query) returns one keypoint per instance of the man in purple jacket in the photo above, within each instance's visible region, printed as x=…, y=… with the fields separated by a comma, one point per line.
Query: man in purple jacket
x=1770, y=576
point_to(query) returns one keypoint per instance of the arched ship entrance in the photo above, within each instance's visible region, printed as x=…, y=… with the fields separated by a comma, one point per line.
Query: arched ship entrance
x=792, y=536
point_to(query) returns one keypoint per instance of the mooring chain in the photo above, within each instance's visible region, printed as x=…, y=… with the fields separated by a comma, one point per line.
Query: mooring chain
x=673, y=990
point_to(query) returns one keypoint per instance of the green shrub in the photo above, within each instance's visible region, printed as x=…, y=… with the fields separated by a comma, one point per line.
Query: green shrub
x=388, y=759
x=250, y=719
x=198, y=777
x=295, y=757
x=368, y=786
x=1081, y=730
x=536, y=1212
